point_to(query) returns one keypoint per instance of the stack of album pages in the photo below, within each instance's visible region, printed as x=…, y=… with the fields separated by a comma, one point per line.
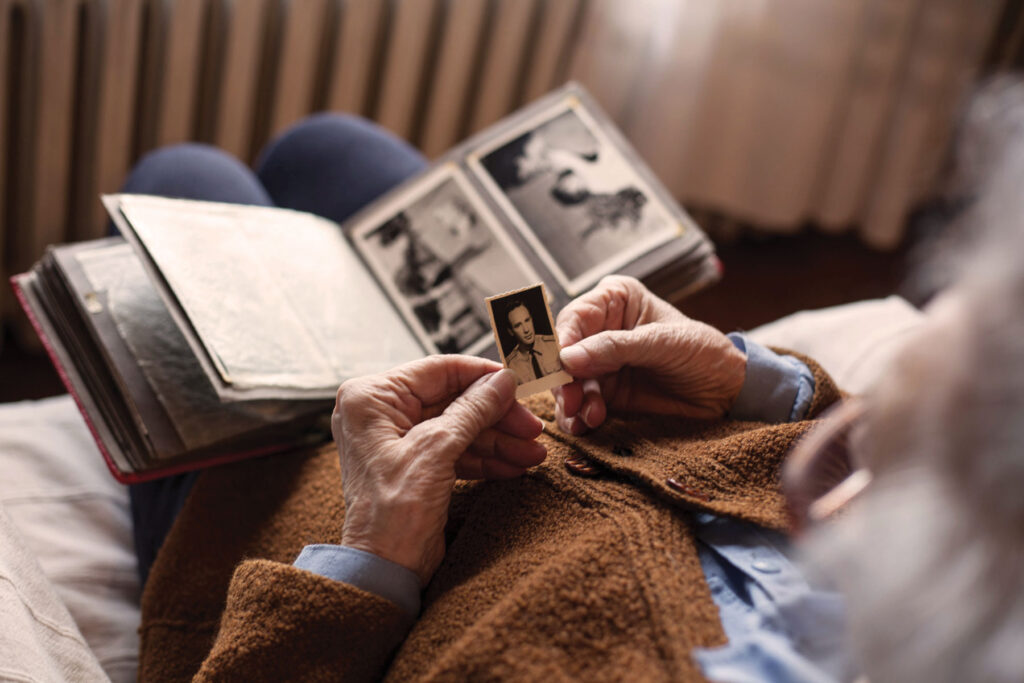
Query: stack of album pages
x=212, y=332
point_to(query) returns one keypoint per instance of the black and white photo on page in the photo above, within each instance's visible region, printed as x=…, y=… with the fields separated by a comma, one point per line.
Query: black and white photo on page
x=438, y=252
x=573, y=195
x=525, y=334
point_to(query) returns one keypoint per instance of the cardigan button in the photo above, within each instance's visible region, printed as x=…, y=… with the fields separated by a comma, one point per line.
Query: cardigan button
x=580, y=467
x=682, y=488
x=619, y=449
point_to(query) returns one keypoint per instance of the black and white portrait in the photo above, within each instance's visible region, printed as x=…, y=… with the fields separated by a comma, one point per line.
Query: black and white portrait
x=525, y=334
x=574, y=196
x=439, y=253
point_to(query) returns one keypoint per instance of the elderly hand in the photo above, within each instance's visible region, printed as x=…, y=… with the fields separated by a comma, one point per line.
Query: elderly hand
x=630, y=350
x=403, y=438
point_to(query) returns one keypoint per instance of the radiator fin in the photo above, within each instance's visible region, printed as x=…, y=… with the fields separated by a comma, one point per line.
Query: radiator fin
x=462, y=40
x=353, y=80
x=405, y=65
x=502, y=62
x=296, y=78
x=104, y=132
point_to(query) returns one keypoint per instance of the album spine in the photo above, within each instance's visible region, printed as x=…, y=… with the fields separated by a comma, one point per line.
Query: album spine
x=44, y=338
x=129, y=477
x=205, y=463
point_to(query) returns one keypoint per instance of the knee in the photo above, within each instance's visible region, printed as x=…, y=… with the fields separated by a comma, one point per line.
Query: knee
x=329, y=131
x=336, y=125
x=195, y=171
x=170, y=165
x=332, y=164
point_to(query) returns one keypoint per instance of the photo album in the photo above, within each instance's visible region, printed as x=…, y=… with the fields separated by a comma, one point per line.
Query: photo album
x=211, y=332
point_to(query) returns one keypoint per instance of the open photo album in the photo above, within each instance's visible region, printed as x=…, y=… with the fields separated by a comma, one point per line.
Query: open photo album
x=211, y=332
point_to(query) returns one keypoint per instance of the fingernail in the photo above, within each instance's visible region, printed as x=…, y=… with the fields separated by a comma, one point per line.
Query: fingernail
x=586, y=414
x=503, y=380
x=576, y=426
x=559, y=402
x=572, y=355
x=540, y=452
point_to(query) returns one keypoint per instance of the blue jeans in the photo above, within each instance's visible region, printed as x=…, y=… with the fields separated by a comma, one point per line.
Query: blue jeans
x=329, y=164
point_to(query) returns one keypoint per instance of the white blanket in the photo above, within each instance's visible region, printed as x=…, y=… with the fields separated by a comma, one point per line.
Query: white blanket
x=38, y=639
x=73, y=523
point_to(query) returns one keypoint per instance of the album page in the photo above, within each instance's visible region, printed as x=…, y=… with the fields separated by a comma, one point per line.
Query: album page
x=274, y=302
x=553, y=194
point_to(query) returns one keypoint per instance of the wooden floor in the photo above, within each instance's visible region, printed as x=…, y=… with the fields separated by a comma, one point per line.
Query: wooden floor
x=765, y=278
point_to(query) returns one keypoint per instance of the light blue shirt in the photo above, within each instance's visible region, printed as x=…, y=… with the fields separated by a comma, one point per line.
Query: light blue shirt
x=780, y=628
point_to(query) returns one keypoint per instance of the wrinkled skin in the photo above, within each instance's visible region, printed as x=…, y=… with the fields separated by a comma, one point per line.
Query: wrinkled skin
x=404, y=436
x=631, y=351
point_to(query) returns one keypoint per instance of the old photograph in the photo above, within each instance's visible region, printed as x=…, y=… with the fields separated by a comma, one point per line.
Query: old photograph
x=573, y=195
x=525, y=333
x=439, y=253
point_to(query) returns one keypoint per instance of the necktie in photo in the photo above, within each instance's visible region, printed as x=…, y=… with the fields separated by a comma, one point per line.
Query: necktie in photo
x=537, y=374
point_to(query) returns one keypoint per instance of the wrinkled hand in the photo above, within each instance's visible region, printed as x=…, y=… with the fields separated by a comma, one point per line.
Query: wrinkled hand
x=630, y=350
x=405, y=435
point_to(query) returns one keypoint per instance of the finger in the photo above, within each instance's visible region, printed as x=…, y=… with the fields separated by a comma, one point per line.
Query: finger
x=591, y=415
x=509, y=449
x=408, y=394
x=477, y=408
x=616, y=303
x=439, y=378
x=569, y=398
x=568, y=403
x=610, y=351
x=593, y=410
x=571, y=425
x=602, y=308
x=520, y=422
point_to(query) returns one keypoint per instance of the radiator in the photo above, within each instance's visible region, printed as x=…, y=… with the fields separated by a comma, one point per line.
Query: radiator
x=86, y=87
x=775, y=113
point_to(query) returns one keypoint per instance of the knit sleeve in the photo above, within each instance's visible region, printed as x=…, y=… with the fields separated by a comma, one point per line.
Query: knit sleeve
x=284, y=623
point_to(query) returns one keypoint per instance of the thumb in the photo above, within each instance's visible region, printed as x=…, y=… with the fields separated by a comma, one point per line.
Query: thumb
x=609, y=351
x=480, y=406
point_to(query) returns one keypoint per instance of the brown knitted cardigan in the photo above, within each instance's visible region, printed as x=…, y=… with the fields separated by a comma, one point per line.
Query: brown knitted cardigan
x=554, y=576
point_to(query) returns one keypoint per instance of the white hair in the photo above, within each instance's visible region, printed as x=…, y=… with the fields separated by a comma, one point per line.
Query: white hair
x=931, y=557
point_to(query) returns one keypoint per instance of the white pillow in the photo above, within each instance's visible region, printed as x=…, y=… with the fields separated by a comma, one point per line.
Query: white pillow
x=74, y=517
x=853, y=342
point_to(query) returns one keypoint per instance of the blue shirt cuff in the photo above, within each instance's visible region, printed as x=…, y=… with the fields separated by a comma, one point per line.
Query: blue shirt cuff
x=776, y=389
x=365, y=571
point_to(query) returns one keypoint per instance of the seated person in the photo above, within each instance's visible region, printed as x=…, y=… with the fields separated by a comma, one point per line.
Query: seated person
x=633, y=528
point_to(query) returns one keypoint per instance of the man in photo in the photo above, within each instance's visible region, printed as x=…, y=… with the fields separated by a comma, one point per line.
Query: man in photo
x=535, y=355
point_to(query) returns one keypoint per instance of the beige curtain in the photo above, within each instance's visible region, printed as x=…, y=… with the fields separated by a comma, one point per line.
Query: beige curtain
x=784, y=112
x=775, y=113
